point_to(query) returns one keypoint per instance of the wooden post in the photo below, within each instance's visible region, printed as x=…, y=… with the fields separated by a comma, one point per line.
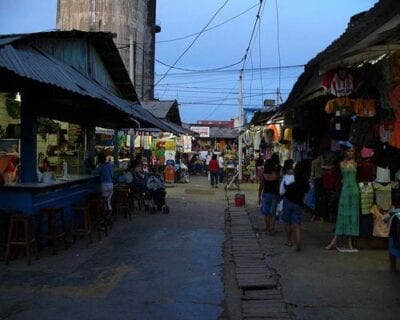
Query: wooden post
x=28, y=137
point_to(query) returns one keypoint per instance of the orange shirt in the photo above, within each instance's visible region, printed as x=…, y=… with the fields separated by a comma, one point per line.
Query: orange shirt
x=365, y=107
x=341, y=107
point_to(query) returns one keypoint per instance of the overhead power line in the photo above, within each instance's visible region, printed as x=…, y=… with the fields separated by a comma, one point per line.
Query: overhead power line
x=192, y=43
x=221, y=69
x=204, y=70
x=211, y=28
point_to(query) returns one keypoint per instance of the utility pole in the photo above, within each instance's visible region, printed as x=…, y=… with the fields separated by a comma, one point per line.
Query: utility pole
x=131, y=62
x=278, y=96
x=240, y=142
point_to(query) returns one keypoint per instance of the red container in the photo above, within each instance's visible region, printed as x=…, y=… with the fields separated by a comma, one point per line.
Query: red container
x=169, y=174
x=240, y=200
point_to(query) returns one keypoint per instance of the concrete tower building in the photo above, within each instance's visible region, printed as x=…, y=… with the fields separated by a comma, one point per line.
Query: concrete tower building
x=133, y=22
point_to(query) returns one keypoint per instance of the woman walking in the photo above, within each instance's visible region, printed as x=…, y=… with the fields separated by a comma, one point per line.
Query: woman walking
x=213, y=168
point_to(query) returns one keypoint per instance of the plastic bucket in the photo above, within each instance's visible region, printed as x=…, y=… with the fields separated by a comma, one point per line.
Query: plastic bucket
x=240, y=199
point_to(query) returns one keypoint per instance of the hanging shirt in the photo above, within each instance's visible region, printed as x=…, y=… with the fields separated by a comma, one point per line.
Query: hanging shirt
x=366, y=197
x=340, y=107
x=366, y=170
x=330, y=179
x=386, y=131
x=383, y=194
x=365, y=108
x=256, y=140
x=340, y=128
x=362, y=132
x=394, y=98
x=380, y=226
x=342, y=84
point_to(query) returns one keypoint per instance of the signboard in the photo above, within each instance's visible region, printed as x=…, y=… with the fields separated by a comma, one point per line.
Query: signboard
x=168, y=144
x=204, y=132
x=269, y=102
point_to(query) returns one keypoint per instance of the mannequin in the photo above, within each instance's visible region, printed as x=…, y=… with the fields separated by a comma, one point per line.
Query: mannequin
x=348, y=220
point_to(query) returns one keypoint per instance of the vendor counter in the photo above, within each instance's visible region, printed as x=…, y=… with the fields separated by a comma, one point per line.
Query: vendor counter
x=30, y=197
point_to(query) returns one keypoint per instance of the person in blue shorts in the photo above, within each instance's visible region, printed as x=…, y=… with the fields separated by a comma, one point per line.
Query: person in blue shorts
x=293, y=190
x=268, y=192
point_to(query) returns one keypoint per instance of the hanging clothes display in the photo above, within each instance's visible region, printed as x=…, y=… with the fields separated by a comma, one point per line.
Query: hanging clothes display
x=362, y=132
x=365, y=108
x=366, y=170
x=340, y=128
x=257, y=140
x=342, y=82
x=340, y=107
x=386, y=131
x=394, y=98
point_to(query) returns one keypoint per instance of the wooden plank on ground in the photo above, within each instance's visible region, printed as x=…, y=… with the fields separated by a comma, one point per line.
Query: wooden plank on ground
x=265, y=294
x=261, y=282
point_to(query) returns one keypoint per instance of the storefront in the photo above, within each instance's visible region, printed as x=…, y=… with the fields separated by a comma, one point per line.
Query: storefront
x=49, y=112
x=348, y=98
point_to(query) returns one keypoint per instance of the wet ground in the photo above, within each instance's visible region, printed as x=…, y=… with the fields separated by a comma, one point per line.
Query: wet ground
x=154, y=267
x=172, y=267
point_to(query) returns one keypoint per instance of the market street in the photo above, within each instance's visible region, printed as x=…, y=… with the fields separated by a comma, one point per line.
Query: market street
x=154, y=267
x=170, y=267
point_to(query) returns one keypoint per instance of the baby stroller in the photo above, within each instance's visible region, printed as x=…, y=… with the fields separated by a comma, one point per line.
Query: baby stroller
x=155, y=195
x=184, y=173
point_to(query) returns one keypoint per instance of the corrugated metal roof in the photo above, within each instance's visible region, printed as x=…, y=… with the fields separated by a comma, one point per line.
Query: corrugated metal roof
x=104, y=44
x=179, y=129
x=39, y=66
x=164, y=109
x=223, y=132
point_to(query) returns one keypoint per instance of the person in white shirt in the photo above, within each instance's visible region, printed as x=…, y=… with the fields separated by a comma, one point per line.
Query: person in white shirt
x=208, y=158
x=221, y=163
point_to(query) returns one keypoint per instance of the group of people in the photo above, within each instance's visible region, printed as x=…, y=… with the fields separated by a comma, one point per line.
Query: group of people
x=284, y=186
x=282, y=190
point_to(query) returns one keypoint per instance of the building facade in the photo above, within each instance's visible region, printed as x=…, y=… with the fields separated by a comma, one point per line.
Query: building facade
x=132, y=22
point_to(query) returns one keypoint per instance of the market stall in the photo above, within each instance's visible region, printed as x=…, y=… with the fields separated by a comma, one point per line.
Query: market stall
x=50, y=124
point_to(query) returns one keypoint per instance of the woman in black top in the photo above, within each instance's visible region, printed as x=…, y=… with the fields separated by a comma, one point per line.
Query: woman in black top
x=268, y=192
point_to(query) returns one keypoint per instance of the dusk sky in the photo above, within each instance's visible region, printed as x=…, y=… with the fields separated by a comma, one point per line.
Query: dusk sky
x=200, y=80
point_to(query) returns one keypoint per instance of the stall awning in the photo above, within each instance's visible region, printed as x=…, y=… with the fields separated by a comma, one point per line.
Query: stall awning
x=179, y=129
x=33, y=64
